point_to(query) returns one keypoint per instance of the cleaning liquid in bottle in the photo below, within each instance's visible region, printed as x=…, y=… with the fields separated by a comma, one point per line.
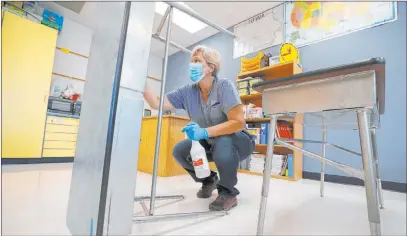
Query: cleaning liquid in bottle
x=199, y=160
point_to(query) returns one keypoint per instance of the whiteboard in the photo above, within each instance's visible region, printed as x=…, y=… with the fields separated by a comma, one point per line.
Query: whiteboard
x=259, y=32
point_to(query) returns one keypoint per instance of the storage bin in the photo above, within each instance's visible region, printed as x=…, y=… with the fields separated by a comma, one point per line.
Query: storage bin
x=53, y=20
x=242, y=84
x=255, y=112
x=255, y=63
x=252, y=91
x=243, y=91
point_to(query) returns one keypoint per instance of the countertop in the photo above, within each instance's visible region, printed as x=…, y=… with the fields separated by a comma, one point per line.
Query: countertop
x=62, y=115
x=166, y=116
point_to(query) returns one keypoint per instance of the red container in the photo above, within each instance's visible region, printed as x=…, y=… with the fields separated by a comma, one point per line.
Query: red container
x=75, y=97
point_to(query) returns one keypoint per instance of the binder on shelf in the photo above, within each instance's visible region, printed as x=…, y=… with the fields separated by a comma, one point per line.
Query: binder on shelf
x=263, y=134
x=284, y=131
x=267, y=133
x=284, y=167
x=256, y=133
x=290, y=165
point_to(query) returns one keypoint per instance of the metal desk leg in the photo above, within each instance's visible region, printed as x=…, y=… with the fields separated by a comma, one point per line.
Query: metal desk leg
x=267, y=175
x=321, y=189
x=368, y=167
x=160, y=113
x=376, y=168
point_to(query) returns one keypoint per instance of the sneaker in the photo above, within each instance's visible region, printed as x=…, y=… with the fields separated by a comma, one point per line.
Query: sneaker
x=207, y=188
x=223, y=203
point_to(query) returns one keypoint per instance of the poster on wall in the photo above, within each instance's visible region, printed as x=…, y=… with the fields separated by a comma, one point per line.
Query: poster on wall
x=310, y=22
x=259, y=32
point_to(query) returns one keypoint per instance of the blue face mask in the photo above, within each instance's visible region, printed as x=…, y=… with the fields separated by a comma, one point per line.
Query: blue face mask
x=195, y=72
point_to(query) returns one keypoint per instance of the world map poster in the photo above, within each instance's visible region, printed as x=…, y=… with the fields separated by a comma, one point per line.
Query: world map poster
x=310, y=22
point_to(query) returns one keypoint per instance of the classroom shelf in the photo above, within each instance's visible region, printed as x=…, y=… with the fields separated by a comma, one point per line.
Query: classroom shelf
x=252, y=98
x=267, y=120
x=260, y=174
x=257, y=120
x=274, y=71
x=278, y=149
x=269, y=73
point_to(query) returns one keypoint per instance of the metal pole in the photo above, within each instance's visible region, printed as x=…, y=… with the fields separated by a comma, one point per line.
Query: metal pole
x=161, y=25
x=321, y=190
x=112, y=121
x=175, y=197
x=172, y=43
x=319, y=142
x=267, y=175
x=160, y=114
x=376, y=168
x=347, y=169
x=370, y=178
x=145, y=209
x=184, y=8
x=145, y=219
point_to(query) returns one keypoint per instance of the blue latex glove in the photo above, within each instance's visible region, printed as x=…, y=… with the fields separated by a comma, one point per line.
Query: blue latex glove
x=194, y=132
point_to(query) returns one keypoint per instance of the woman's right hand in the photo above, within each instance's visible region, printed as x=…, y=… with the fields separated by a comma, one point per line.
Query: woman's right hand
x=153, y=99
x=195, y=132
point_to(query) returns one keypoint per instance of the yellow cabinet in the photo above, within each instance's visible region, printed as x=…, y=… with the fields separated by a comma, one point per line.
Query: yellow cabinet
x=58, y=153
x=60, y=137
x=170, y=135
x=28, y=50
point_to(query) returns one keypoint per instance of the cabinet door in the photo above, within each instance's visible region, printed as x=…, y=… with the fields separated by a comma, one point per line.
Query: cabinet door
x=147, y=146
x=28, y=50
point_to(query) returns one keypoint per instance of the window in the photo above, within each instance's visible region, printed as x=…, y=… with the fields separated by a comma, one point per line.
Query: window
x=181, y=19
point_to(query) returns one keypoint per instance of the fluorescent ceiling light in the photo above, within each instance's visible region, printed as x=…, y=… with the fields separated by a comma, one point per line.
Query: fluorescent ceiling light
x=181, y=19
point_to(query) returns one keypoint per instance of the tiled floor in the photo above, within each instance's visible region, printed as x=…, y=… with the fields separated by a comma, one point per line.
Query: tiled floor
x=34, y=202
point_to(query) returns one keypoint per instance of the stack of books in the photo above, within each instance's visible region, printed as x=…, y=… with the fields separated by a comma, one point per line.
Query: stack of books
x=279, y=165
x=257, y=162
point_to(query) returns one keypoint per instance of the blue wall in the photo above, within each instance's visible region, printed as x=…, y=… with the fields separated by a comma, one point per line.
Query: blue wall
x=388, y=41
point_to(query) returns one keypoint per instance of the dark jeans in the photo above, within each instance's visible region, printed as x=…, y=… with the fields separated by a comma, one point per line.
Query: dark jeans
x=227, y=151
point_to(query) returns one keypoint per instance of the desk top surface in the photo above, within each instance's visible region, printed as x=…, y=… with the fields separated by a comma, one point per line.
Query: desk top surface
x=376, y=64
x=327, y=72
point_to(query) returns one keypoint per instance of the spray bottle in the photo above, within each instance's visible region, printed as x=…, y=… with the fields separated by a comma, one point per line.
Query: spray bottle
x=199, y=160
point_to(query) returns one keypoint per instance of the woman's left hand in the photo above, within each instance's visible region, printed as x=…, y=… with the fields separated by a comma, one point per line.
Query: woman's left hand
x=195, y=132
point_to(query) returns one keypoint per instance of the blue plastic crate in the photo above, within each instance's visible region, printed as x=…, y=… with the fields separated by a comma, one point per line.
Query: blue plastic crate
x=52, y=20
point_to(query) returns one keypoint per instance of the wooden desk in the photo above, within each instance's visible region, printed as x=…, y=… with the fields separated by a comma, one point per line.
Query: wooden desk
x=170, y=135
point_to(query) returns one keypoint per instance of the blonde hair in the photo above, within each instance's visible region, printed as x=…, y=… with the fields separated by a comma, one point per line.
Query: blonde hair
x=211, y=55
